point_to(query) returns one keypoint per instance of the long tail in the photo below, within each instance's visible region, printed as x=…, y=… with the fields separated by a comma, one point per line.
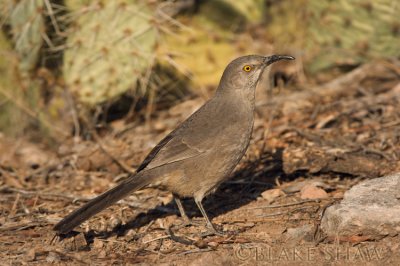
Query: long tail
x=101, y=202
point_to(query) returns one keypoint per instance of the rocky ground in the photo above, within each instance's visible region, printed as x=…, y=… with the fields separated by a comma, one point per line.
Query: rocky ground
x=305, y=192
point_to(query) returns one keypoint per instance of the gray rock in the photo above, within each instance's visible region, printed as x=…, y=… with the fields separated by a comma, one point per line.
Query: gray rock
x=370, y=209
x=299, y=234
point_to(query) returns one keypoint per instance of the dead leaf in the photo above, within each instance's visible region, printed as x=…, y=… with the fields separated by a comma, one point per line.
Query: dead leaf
x=312, y=192
x=271, y=194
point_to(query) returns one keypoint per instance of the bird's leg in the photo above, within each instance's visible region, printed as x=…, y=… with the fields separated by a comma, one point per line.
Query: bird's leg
x=182, y=210
x=209, y=224
x=186, y=220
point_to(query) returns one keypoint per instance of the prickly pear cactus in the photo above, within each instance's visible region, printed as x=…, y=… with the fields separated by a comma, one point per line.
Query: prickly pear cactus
x=331, y=33
x=251, y=9
x=110, y=47
x=355, y=30
x=232, y=15
x=204, y=37
x=27, y=28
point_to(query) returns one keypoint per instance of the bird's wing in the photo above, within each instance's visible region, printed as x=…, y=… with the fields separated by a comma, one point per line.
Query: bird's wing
x=183, y=143
x=172, y=148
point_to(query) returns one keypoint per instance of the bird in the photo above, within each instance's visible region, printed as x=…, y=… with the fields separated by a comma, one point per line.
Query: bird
x=200, y=153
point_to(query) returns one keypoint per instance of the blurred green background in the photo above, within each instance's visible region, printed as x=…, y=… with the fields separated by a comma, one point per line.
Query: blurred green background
x=73, y=62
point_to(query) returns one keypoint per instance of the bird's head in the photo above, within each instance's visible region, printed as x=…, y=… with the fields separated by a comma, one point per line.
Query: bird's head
x=244, y=72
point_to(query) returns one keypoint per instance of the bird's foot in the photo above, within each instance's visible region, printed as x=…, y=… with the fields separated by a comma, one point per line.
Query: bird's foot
x=213, y=231
x=188, y=222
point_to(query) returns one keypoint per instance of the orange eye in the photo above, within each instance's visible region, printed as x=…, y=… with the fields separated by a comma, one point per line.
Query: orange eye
x=247, y=68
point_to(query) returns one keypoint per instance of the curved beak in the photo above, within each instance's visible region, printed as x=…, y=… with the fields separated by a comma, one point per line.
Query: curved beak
x=274, y=58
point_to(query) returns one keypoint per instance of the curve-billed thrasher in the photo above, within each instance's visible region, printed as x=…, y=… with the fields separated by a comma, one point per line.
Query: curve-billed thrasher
x=200, y=153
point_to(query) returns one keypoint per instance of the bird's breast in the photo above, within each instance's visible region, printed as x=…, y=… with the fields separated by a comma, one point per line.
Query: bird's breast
x=235, y=129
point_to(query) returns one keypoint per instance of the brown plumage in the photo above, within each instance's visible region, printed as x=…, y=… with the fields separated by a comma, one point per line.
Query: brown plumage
x=201, y=152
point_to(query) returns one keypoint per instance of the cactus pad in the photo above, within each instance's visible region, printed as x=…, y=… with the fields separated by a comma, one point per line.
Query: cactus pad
x=27, y=26
x=110, y=46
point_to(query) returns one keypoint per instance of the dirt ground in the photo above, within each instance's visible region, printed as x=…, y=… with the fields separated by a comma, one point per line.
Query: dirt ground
x=331, y=136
